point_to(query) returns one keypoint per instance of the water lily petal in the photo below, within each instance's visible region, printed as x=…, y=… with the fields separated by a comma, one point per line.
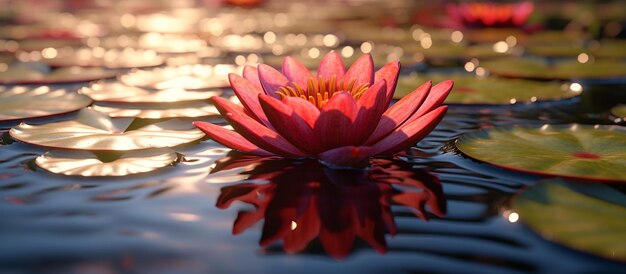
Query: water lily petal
x=296, y=72
x=399, y=112
x=230, y=138
x=435, y=98
x=370, y=111
x=248, y=95
x=331, y=65
x=347, y=156
x=289, y=124
x=335, y=126
x=411, y=132
x=362, y=70
x=304, y=109
x=390, y=73
x=252, y=74
x=271, y=79
x=254, y=131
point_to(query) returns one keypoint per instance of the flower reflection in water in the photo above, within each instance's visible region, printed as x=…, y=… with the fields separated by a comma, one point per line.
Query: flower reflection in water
x=305, y=203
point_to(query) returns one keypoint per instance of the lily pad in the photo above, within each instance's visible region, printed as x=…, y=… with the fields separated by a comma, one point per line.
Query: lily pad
x=619, y=111
x=87, y=163
x=93, y=130
x=539, y=69
x=40, y=44
x=119, y=93
x=448, y=51
x=586, y=217
x=20, y=102
x=492, y=35
x=112, y=58
x=191, y=77
x=572, y=151
x=556, y=50
x=472, y=90
x=27, y=74
x=186, y=110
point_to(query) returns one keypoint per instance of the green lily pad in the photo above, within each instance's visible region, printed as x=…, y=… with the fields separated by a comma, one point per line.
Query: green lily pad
x=93, y=130
x=586, y=217
x=538, y=69
x=190, y=77
x=469, y=89
x=120, y=93
x=492, y=35
x=552, y=37
x=572, y=151
x=27, y=74
x=186, y=110
x=556, y=50
x=19, y=102
x=619, y=111
x=111, y=58
x=615, y=49
x=610, y=49
x=448, y=51
x=87, y=163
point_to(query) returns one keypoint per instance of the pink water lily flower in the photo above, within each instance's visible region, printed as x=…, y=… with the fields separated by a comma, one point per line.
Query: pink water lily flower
x=341, y=117
x=490, y=14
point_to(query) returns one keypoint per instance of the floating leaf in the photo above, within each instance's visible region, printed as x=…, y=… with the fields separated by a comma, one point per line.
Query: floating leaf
x=586, y=217
x=40, y=44
x=22, y=102
x=186, y=110
x=112, y=58
x=27, y=74
x=92, y=130
x=120, y=93
x=492, y=35
x=573, y=151
x=87, y=163
x=619, y=111
x=556, y=50
x=469, y=89
x=538, y=69
x=187, y=77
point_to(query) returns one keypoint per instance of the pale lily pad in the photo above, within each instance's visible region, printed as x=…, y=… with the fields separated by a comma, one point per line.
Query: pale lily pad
x=119, y=93
x=538, y=69
x=40, y=44
x=585, y=217
x=188, y=77
x=619, y=111
x=25, y=74
x=186, y=110
x=572, y=151
x=20, y=102
x=93, y=130
x=111, y=58
x=473, y=90
x=87, y=163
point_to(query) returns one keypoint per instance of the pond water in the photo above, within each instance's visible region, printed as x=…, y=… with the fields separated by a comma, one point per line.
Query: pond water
x=288, y=217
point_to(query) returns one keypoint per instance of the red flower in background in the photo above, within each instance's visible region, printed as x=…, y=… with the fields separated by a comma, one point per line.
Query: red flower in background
x=307, y=201
x=340, y=116
x=489, y=14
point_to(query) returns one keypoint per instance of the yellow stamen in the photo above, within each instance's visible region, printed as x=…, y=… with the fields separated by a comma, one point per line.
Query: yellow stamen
x=318, y=90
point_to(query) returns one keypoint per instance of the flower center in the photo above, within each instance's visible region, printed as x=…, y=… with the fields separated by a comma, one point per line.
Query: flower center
x=318, y=90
